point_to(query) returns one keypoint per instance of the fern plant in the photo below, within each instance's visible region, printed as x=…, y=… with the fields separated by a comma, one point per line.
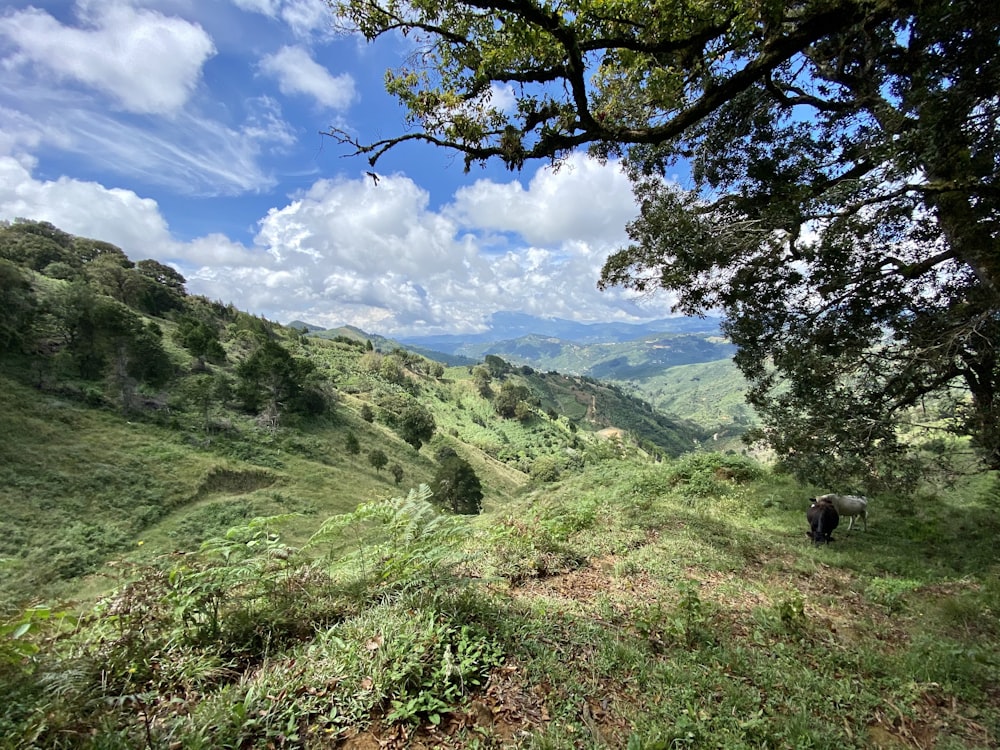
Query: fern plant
x=398, y=543
x=249, y=590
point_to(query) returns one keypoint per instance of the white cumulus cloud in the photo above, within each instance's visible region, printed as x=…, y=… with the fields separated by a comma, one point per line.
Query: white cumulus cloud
x=377, y=256
x=581, y=199
x=297, y=73
x=304, y=17
x=86, y=209
x=145, y=61
x=349, y=251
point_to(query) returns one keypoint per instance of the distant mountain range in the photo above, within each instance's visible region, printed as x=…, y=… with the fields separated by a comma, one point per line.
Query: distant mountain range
x=680, y=365
x=608, y=351
x=507, y=326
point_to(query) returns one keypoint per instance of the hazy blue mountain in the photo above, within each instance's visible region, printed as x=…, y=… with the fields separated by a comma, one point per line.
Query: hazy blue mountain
x=609, y=351
x=507, y=326
x=628, y=360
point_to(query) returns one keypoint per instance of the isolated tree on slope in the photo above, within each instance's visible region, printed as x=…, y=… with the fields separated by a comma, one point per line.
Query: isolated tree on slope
x=271, y=378
x=456, y=486
x=378, y=459
x=416, y=425
x=842, y=207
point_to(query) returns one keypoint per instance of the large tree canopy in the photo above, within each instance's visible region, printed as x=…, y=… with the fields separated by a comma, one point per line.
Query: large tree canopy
x=842, y=205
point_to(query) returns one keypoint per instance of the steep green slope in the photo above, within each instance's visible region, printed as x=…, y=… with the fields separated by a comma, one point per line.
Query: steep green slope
x=84, y=483
x=710, y=394
x=141, y=420
x=688, y=377
x=605, y=405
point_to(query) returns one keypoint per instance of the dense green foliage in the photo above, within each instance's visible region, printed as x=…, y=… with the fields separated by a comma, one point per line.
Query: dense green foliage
x=17, y=305
x=859, y=286
x=416, y=425
x=456, y=486
x=841, y=211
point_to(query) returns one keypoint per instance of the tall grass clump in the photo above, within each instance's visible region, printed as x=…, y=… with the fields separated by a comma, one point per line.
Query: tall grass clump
x=195, y=648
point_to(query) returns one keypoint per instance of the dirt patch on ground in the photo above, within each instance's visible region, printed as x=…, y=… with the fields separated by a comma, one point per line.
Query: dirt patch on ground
x=581, y=588
x=935, y=717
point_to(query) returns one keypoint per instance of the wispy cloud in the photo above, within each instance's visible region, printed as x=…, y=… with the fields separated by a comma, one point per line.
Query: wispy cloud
x=297, y=73
x=303, y=17
x=189, y=153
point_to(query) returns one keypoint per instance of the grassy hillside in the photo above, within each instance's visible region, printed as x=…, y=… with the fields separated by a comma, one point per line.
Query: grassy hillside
x=86, y=483
x=690, y=377
x=710, y=394
x=141, y=419
x=602, y=405
x=220, y=533
x=628, y=605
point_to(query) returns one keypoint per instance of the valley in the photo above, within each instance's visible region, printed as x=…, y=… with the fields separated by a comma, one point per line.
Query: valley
x=220, y=531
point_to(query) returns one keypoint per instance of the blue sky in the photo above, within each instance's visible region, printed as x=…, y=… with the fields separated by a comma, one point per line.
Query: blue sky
x=189, y=131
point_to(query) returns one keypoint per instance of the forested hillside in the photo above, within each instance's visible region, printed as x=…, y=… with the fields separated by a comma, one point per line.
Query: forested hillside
x=688, y=374
x=690, y=377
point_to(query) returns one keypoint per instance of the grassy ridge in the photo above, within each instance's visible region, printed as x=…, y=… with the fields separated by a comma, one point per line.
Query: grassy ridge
x=628, y=605
x=82, y=485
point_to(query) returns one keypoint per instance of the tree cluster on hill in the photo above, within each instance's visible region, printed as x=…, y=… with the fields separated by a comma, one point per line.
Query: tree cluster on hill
x=842, y=209
x=92, y=322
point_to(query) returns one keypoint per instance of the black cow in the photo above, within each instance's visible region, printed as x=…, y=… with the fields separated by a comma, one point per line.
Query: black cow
x=823, y=519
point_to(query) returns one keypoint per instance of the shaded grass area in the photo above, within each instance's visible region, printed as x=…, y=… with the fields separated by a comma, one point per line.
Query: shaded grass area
x=631, y=605
x=78, y=485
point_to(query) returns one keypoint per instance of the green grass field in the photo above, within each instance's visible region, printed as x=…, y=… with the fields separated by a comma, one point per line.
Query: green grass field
x=629, y=605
